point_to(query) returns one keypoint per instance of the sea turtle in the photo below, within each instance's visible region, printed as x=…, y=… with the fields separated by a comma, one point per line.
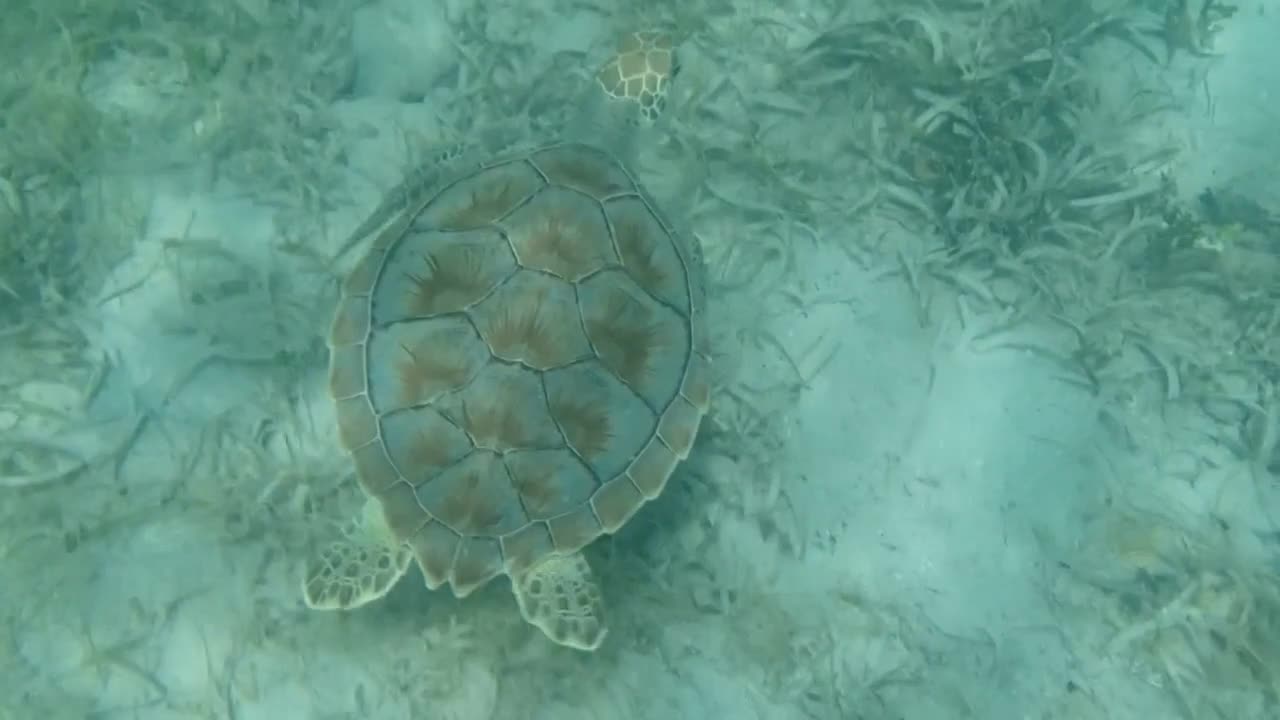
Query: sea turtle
x=518, y=362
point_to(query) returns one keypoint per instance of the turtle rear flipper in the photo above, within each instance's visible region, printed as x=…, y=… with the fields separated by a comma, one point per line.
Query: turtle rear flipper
x=357, y=568
x=559, y=596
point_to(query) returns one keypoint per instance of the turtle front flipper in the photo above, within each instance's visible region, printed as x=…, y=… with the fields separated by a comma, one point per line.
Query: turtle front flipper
x=356, y=568
x=559, y=596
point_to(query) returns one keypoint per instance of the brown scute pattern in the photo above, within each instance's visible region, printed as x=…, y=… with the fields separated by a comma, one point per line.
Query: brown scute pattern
x=503, y=409
x=562, y=232
x=350, y=322
x=357, y=425
x=374, y=469
x=585, y=169
x=479, y=561
x=474, y=497
x=347, y=374
x=360, y=281
x=574, y=530
x=652, y=467
x=401, y=510
x=644, y=343
x=434, y=547
x=415, y=363
x=549, y=482
x=648, y=253
x=422, y=443
x=480, y=199
x=696, y=387
x=526, y=546
x=590, y=385
x=430, y=273
x=615, y=502
x=586, y=423
x=678, y=427
x=533, y=319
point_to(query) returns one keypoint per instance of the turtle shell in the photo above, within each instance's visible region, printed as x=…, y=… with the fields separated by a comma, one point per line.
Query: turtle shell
x=519, y=361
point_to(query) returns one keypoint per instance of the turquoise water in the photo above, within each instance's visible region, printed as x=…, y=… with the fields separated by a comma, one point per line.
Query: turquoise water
x=992, y=296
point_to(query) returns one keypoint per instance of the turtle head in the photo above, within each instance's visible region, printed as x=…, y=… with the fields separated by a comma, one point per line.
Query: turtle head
x=639, y=74
x=627, y=94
